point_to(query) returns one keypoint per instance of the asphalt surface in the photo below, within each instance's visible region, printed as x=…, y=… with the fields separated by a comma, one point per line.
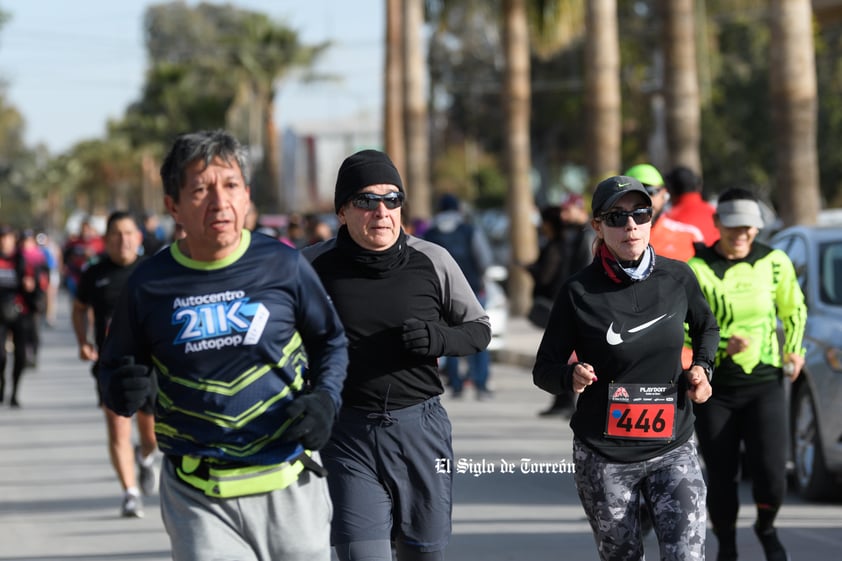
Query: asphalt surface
x=514, y=497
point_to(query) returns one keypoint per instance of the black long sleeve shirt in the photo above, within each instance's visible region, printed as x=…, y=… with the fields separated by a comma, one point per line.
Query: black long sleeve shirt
x=630, y=332
x=374, y=293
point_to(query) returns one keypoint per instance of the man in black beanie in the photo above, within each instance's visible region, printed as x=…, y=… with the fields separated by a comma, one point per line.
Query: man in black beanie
x=366, y=167
x=405, y=303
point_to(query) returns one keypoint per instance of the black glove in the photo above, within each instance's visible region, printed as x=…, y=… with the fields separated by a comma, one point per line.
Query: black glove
x=128, y=387
x=312, y=423
x=416, y=337
x=424, y=338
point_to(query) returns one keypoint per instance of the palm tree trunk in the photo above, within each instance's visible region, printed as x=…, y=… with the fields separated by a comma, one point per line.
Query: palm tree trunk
x=602, y=89
x=794, y=105
x=393, y=127
x=682, y=84
x=271, y=157
x=416, y=113
x=520, y=203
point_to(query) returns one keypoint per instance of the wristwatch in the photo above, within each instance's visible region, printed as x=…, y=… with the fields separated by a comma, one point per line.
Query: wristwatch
x=707, y=369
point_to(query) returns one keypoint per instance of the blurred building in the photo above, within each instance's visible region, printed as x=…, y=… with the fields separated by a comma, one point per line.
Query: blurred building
x=312, y=154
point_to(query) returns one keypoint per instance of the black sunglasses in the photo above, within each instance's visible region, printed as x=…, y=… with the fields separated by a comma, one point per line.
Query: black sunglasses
x=370, y=201
x=619, y=218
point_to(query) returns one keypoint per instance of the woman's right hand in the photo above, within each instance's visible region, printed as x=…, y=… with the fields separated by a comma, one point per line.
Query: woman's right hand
x=583, y=376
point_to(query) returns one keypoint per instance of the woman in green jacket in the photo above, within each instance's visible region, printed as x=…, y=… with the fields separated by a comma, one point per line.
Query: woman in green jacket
x=749, y=286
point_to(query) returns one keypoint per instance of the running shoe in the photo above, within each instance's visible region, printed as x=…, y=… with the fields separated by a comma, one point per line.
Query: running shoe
x=132, y=506
x=147, y=474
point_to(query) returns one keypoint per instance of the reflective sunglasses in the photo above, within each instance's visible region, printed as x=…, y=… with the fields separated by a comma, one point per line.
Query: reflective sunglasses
x=370, y=201
x=619, y=218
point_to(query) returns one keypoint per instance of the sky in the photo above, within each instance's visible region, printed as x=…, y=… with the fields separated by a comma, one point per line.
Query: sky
x=69, y=66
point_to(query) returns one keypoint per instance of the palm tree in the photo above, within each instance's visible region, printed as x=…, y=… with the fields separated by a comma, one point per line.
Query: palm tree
x=393, y=105
x=227, y=62
x=262, y=52
x=555, y=22
x=517, y=99
x=602, y=89
x=416, y=112
x=681, y=84
x=794, y=105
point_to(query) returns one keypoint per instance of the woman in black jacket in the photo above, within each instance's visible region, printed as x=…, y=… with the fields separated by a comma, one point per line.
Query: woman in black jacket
x=624, y=316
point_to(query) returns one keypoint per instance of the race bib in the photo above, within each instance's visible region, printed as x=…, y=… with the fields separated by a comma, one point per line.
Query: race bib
x=641, y=411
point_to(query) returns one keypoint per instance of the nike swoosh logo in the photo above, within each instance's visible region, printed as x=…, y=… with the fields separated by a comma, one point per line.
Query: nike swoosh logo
x=615, y=338
x=623, y=184
x=612, y=337
x=643, y=326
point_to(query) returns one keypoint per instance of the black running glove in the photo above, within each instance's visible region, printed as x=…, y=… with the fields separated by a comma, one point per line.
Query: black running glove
x=313, y=416
x=422, y=338
x=128, y=387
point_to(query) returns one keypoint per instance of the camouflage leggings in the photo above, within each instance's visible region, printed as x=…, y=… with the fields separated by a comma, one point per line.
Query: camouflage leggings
x=672, y=486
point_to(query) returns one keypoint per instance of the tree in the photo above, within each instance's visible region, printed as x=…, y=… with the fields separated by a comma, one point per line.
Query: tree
x=555, y=25
x=520, y=201
x=466, y=75
x=16, y=162
x=215, y=66
x=735, y=122
x=681, y=84
x=514, y=144
x=794, y=104
x=727, y=121
x=393, y=105
x=52, y=185
x=416, y=113
x=829, y=73
x=110, y=176
x=260, y=53
x=176, y=98
x=602, y=90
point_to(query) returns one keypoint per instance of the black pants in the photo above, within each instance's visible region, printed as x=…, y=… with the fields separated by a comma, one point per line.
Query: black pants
x=21, y=330
x=753, y=415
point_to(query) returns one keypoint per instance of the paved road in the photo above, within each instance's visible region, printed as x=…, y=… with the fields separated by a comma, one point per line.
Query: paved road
x=59, y=499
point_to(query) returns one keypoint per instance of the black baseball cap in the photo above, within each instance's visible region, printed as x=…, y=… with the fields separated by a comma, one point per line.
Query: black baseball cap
x=610, y=190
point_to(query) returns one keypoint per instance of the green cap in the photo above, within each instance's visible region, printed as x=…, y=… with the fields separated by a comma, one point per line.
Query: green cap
x=647, y=174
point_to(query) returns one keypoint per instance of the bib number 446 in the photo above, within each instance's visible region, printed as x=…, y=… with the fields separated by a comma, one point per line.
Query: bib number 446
x=641, y=411
x=641, y=421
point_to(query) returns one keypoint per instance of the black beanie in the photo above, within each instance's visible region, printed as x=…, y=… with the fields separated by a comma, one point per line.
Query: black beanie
x=358, y=171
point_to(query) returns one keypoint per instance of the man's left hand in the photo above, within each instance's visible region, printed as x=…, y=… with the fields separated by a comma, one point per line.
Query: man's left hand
x=416, y=337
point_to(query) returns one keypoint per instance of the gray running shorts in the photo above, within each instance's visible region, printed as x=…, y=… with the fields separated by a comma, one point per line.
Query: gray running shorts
x=383, y=478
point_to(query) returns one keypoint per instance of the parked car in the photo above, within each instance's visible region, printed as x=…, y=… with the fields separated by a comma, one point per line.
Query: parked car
x=815, y=398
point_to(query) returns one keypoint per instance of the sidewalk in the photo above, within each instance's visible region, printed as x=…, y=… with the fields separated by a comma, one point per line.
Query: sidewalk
x=520, y=344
